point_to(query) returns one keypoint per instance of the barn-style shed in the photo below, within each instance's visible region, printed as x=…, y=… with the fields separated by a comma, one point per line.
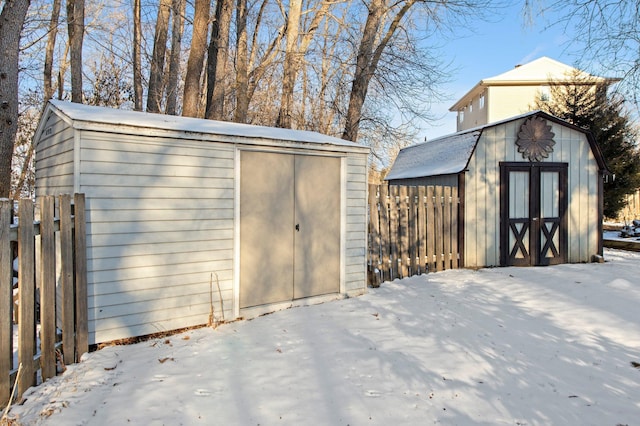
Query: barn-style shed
x=530, y=189
x=185, y=215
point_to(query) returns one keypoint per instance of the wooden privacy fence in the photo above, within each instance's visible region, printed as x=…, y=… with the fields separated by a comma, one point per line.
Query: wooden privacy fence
x=631, y=210
x=412, y=230
x=42, y=275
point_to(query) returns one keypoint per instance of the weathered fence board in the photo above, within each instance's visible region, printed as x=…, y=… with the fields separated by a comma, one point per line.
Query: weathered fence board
x=48, y=287
x=27, y=301
x=38, y=285
x=80, y=242
x=412, y=230
x=6, y=299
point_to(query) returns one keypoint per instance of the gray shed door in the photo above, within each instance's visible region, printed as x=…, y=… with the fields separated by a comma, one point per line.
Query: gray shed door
x=289, y=227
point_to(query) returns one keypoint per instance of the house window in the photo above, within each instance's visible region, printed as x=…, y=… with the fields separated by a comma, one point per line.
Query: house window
x=460, y=116
x=545, y=96
x=481, y=101
x=470, y=107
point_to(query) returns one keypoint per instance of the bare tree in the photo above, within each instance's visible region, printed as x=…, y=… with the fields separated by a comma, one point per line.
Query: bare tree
x=217, y=60
x=49, y=52
x=75, y=25
x=384, y=21
x=156, y=75
x=11, y=21
x=254, y=62
x=367, y=60
x=296, y=47
x=195, y=63
x=290, y=59
x=177, y=13
x=137, y=56
x=606, y=34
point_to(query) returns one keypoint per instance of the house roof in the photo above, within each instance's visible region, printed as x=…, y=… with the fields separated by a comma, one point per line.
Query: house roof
x=82, y=116
x=450, y=154
x=538, y=72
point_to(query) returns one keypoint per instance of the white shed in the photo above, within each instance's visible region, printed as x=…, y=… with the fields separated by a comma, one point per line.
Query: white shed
x=185, y=215
x=530, y=189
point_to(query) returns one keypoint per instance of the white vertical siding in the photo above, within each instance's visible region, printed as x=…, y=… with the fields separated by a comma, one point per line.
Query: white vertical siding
x=482, y=192
x=356, y=225
x=572, y=147
x=160, y=232
x=54, y=158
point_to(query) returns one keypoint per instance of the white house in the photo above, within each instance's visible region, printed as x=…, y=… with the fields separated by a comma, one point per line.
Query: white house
x=514, y=92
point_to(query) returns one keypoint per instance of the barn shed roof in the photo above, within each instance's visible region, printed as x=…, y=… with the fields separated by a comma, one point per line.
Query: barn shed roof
x=442, y=156
x=450, y=154
x=124, y=121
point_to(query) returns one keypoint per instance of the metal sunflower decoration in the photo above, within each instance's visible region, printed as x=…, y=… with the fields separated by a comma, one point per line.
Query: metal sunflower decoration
x=535, y=139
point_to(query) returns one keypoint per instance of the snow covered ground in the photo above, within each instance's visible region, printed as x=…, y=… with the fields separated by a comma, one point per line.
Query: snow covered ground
x=505, y=346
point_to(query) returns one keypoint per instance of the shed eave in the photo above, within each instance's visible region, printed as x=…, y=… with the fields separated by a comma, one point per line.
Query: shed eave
x=83, y=117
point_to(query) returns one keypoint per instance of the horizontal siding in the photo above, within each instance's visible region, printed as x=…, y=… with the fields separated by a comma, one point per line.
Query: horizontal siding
x=190, y=297
x=161, y=226
x=356, y=224
x=171, y=272
x=160, y=223
x=54, y=158
x=179, y=276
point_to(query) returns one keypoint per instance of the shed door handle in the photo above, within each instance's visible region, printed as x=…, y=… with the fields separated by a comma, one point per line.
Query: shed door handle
x=298, y=227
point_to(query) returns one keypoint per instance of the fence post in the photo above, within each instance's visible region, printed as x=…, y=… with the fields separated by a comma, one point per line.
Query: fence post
x=47, y=288
x=374, y=232
x=393, y=232
x=438, y=227
x=384, y=231
x=447, y=201
x=403, y=231
x=6, y=300
x=413, y=236
x=431, y=229
x=455, y=261
x=27, y=296
x=66, y=279
x=82, y=334
x=422, y=222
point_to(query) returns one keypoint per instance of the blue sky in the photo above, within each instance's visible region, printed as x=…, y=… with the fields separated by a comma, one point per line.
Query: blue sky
x=496, y=47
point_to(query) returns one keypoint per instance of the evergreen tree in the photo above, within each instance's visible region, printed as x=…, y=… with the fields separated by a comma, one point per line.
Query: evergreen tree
x=585, y=104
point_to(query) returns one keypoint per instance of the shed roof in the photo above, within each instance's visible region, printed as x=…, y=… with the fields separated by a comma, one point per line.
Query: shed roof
x=442, y=156
x=82, y=116
x=451, y=154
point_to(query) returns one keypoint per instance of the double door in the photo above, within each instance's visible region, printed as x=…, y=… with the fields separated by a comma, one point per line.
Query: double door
x=533, y=205
x=289, y=227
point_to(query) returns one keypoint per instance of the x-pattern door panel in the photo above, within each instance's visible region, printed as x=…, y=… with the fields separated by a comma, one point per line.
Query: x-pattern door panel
x=533, y=203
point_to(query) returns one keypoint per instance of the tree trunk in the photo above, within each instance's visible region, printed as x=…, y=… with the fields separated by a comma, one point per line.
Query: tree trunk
x=195, y=63
x=48, y=56
x=294, y=52
x=217, y=60
x=156, y=75
x=75, y=26
x=174, y=59
x=11, y=20
x=242, y=67
x=137, y=57
x=289, y=71
x=256, y=67
x=367, y=61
